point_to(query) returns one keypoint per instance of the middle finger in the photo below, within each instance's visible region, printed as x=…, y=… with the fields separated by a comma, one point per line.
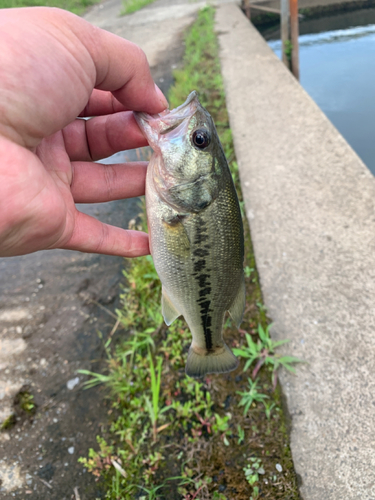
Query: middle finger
x=102, y=136
x=97, y=183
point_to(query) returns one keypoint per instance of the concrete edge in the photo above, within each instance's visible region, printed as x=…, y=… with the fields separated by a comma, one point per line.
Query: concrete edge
x=310, y=203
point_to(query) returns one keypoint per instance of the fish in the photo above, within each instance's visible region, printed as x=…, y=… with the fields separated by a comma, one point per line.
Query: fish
x=195, y=230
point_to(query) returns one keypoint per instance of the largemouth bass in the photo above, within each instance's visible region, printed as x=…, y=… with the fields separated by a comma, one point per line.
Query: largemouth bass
x=196, y=233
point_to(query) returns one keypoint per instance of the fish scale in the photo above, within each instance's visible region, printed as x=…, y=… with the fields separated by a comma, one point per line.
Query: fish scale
x=196, y=233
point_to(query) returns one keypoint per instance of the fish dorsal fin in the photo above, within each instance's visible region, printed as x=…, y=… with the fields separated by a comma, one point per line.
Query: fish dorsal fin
x=238, y=306
x=169, y=311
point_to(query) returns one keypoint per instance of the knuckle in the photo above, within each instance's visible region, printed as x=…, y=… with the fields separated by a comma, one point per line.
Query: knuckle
x=102, y=243
x=110, y=178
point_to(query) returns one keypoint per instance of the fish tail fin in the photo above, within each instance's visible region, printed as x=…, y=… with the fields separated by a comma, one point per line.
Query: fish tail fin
x=220, y=360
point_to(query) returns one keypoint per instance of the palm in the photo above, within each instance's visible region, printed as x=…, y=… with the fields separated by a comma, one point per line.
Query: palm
x=54, y=175
x=46, y=185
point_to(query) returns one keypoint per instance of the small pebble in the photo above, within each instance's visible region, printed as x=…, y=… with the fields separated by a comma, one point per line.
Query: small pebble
x=279, y=468
x=72, y=383
x=71, y=450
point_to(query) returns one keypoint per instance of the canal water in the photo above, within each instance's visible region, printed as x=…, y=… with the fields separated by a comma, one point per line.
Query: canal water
x=337, y=66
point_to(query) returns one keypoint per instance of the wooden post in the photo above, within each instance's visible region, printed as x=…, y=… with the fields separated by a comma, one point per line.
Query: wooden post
x=246, y=7
x=294, y=32
x=285, y=32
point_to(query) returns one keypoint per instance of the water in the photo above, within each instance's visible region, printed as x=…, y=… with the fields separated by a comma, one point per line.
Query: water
x=337, y=69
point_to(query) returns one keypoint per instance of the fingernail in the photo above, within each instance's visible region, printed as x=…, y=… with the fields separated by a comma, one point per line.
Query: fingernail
x=161, y=97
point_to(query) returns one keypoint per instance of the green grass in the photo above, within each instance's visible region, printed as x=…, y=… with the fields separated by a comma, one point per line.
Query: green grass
x=75, y=6
x=172, y=436
x=130, y=6
x=264, y=353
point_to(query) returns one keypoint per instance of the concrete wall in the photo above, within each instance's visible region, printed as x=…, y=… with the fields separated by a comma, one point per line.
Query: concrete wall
x=310, y=203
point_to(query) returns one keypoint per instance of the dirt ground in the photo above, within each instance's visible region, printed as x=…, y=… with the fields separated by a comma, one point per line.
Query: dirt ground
x=52, y=306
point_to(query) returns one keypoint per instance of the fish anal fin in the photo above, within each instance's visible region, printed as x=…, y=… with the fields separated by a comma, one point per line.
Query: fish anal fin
x=237, y=308
x=220, y=360
x=170, y=313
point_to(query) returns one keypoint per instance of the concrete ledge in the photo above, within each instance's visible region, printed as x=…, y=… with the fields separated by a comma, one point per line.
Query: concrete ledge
x=310, y=202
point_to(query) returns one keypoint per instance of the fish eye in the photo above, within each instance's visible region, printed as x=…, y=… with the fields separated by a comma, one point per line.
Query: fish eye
x=201, y=138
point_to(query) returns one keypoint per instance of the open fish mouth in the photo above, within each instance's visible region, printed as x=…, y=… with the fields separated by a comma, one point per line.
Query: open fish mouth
x=161, y=124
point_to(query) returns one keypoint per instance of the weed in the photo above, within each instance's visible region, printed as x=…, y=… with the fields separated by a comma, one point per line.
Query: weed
x=154, y=409
x=241, y=434
x=252, y=472
x=96, y=378
x=268, y=406
x=24, y=404
x=27, y=402
x=8, y=423
x=218, y=496
x=247, y=271
x=263, y=352
x=288, y=49
x=76, y=6
x=98, y=460
x=251, y=396
x=221, y=426
x=130, y=6
x=151, y=492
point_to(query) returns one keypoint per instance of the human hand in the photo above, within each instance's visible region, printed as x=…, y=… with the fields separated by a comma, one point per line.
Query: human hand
x=53, y=65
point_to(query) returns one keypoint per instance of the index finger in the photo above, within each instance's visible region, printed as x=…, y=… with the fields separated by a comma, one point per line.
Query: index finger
x=121, y=67
x=63, y=58
x=102, y=103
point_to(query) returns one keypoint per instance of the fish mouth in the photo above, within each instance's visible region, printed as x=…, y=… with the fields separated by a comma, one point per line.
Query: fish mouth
x=162, y=124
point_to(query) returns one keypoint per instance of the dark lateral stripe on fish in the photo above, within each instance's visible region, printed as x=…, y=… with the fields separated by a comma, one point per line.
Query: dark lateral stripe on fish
x=202, y=280
x=200, y=252
x=205, y=291
x=199, y=265
x=201, y=234
x=201, y=276
x=206, y=323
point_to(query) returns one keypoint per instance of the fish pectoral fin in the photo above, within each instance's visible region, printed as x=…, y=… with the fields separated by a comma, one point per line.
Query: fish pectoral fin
x=175, y=235
x=169, y=311
x=238, y=307
x=196, y=195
